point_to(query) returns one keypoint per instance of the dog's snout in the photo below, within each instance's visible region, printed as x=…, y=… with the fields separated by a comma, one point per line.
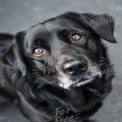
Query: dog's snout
x=74, y=67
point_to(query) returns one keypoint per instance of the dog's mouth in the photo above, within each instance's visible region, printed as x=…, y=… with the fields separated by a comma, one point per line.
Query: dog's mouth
x=89, y=76
x=92, y=73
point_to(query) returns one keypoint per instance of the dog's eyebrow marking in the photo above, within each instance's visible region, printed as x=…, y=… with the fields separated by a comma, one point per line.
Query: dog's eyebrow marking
x=35, y=25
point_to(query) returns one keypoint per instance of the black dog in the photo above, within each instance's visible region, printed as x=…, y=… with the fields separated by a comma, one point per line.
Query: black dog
x=58, y=70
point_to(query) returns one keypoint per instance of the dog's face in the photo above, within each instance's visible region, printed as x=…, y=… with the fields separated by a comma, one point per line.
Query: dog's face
x=66, y=50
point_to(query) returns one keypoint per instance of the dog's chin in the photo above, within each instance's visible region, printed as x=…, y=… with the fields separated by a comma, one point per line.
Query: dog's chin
x=83, y=82
x=78, y=83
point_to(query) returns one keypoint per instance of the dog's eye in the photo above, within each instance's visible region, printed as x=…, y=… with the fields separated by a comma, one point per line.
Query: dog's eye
x=38, y=51
x=77, y=37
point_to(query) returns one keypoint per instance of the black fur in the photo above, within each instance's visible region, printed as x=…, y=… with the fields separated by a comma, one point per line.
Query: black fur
x=30, y=81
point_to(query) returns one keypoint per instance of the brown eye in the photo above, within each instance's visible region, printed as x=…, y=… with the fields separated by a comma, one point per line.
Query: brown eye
x=77, y=37
x=38, y=51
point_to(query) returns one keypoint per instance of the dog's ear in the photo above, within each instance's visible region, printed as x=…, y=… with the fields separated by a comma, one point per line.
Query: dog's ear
x=102, y=25
x=12, y=52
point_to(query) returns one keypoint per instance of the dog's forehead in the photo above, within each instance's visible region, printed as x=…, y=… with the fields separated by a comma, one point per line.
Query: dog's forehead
x=54, y=24
x=51, y=27
x=58, y=22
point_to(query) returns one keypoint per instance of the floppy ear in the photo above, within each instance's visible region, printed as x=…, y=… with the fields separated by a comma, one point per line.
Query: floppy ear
x=102, y=25
x=12, y=56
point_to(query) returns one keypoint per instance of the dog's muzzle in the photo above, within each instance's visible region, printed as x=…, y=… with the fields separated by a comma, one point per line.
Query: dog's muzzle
x=75, y=72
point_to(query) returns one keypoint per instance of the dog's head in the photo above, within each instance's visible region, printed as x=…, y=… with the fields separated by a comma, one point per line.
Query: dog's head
x=64, y=50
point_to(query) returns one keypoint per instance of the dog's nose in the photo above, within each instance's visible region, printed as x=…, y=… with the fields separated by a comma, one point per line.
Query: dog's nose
x=75, y=67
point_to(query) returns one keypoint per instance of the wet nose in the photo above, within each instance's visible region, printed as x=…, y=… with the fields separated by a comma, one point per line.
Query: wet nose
x=75, y=67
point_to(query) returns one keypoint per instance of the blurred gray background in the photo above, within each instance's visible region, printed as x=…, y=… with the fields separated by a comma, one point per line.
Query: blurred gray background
x=17, y=15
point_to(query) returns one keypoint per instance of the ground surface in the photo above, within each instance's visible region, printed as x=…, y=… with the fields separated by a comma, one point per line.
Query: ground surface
x=16, y=15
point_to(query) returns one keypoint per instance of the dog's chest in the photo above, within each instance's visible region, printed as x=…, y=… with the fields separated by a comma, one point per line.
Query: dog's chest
x=66, y=115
